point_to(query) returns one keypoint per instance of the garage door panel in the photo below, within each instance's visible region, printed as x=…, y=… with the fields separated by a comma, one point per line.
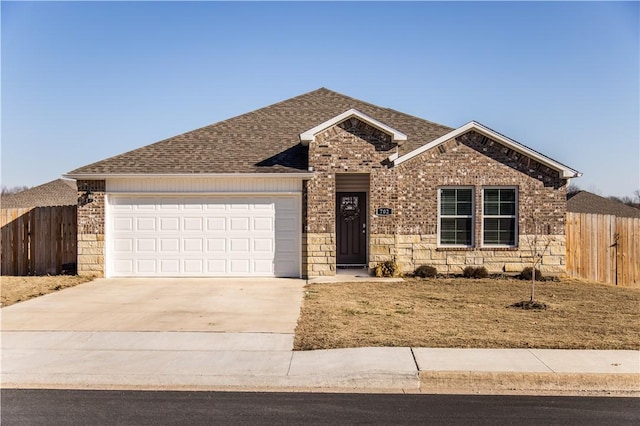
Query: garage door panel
x=146, y=266
x=123, y=224
x=194, y=266
x=145, y=224
x=124, y=266
x=239, y=266
x=217, y=267
x=192, y=224
x=262, y=224
x=169, y=224
x=146, y=245
x=169, y=245
x=123, y=245
x=239, y=245
x=237, y=224
x=216, y=245
x=193, y=245
x=215, y=236
x=169, y=266
x=263, y=266
x=264, y=245
x=216, y=224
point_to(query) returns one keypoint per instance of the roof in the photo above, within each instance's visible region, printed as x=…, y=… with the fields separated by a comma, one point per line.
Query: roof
x=263, y=141
x=59, y=192
x=274, y=139
x=586, y=202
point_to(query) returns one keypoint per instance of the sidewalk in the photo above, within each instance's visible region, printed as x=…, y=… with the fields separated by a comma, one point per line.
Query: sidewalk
x=265, y=361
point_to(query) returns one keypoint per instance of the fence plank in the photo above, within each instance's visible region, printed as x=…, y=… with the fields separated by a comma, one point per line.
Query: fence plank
x=592, y=253
x=37, y=241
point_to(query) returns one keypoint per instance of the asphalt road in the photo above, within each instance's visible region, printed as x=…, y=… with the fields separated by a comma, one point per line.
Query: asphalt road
x=70, y=407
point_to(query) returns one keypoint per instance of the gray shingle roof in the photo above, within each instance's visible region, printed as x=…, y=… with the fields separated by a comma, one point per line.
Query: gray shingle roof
x=59, y=192
x=586, y=202
x=262, y=141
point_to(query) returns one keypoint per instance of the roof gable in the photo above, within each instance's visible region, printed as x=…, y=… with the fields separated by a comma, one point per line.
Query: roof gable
x=309, y=135
x=565, y=172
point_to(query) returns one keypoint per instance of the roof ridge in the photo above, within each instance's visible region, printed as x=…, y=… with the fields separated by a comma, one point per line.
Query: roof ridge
x=395, y=111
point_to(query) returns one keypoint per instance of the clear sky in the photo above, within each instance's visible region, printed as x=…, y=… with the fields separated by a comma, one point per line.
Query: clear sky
x=84, y=81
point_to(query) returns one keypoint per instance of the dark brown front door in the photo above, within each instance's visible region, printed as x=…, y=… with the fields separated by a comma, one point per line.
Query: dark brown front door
x=351, y=228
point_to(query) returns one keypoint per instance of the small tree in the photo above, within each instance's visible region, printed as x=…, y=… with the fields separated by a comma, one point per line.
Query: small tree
x=537, y=251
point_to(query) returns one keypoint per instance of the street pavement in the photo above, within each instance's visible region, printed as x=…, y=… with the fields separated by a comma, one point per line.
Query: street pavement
x=255, y=352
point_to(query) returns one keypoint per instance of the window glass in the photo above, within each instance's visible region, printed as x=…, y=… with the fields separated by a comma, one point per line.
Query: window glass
x=456, y=216
x=499, y=222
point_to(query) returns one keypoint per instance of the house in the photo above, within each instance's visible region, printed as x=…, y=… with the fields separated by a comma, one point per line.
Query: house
x=318, y=182
x=586, y=202
x=59, y=192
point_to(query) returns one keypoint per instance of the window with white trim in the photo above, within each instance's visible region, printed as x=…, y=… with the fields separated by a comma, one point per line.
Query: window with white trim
x=456, y=217
x=499, y=220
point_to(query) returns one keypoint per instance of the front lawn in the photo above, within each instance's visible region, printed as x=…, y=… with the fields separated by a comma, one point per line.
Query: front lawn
x=18, y=289
x=468, y=313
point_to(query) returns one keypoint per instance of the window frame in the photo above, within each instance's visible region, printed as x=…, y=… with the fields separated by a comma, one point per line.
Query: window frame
x=514, y=217
x=472, y=217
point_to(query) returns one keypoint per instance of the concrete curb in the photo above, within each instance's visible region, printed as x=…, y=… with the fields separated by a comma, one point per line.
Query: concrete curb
x=497, y=383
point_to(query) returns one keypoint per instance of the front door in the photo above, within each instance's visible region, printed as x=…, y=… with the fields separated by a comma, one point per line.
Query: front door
x=351, y=228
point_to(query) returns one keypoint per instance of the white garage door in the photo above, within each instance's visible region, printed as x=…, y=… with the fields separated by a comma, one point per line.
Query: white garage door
x=195, y=236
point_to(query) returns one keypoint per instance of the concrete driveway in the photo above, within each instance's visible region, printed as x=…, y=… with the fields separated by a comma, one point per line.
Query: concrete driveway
x=247, y=305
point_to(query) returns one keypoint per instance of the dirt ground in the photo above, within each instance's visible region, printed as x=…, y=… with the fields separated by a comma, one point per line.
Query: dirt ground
x=18, y=289
x=468, y=313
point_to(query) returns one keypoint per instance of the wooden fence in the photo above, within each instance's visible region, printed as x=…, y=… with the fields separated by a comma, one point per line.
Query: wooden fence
x=603, y=248
x=38, y=241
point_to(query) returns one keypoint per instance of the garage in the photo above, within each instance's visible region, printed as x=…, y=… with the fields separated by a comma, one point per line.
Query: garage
x=203, y=236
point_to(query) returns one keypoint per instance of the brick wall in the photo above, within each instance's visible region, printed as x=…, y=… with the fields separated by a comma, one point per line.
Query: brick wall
x=411, y=190
x=91, y=229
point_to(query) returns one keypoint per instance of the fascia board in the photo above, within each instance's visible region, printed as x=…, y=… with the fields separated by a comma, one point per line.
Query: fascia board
x=92, y=176
x=309, y=135
x=566, y=172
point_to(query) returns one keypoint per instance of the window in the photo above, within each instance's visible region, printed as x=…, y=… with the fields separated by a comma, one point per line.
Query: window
x=456, y=216
x=499, y=218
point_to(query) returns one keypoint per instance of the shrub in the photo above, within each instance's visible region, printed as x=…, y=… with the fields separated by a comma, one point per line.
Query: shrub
x=388, y=268
x=475, y=272
x=528, y=272
x=425, y=271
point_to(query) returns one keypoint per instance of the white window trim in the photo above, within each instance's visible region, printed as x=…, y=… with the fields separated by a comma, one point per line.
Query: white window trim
x=515, y=216
x=473, y=215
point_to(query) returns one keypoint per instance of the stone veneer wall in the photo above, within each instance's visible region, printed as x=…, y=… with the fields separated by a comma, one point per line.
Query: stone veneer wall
x=411, y=189
x=91, y=229
x=411, y=251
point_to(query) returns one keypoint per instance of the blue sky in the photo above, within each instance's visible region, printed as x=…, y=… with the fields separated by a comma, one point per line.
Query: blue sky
x=84, y=81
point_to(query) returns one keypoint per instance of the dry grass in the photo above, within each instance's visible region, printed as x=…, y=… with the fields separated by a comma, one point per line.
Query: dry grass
x=18, y=289
x=467, y=313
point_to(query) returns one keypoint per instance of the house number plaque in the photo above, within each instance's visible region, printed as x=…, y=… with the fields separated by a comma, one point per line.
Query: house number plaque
x=384, y=211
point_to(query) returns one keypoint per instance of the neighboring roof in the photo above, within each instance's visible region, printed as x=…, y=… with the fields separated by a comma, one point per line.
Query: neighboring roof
x=565, y=172
x=59, y=192
x=586, y=202
x=263, y=141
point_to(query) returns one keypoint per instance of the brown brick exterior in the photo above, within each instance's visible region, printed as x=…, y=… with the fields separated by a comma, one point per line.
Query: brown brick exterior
x=411, y=190
x=91, y=229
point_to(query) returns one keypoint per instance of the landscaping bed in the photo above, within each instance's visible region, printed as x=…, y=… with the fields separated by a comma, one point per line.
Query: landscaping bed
x=468, y=313
x=18, y=289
